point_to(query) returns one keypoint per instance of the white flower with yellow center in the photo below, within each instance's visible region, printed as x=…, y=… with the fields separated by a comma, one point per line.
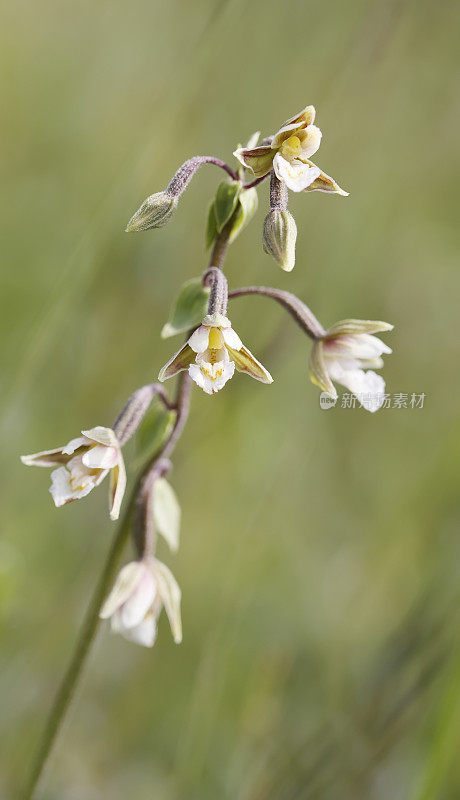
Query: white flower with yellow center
x=141, y=590
x=211, y=355
x=288, y=155
x=85, y=462
x=343, y=355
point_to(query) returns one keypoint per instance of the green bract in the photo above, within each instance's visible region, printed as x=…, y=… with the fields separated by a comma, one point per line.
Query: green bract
x=154, y=430
x=189, y=308
x=234, y=203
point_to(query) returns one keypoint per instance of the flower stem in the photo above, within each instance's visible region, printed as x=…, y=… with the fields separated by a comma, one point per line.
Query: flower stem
x=179, y=182
x=255, y=182
x=296, y=308
x=219, y=250
x=91, y=621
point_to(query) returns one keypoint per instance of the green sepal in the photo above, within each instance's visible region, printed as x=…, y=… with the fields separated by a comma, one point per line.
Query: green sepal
x=189, y=309
x=225, y=202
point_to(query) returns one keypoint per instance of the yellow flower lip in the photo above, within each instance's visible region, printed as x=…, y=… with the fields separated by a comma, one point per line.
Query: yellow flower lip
x=291, y=147
x=215, y=339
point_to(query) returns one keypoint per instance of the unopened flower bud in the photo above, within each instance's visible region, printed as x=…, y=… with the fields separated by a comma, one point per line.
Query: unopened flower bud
x=154, y=212
x=279, y=236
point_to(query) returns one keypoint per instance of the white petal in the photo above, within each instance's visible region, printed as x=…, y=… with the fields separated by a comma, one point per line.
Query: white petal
x=232, y=339
x=196, y=375
x=170, y=594
x=310, y=141
x=144, y=634
x=368, y=387
x=296, y=175
x=117, y=487
x=215, y=375
x=60, y=486
x=134, y=609
x=74, y=444
x=358, y=346
x=62, y=491
x=126, y=581
x=199, y=339
x=102, y=435
x=100, y=457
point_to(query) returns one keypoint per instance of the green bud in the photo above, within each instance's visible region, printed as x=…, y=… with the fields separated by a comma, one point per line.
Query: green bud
x=279, y=235
x=154, y=212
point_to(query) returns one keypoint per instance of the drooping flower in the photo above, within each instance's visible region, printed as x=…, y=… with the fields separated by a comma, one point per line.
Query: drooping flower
x=211, y=355
x=343, y=354
x=140, y=591
x=288, y=155
x=84, y=463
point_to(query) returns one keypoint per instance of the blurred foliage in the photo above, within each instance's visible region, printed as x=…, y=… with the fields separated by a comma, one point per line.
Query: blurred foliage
x=319, y=550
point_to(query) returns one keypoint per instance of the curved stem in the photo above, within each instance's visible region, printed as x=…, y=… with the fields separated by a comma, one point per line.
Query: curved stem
x=296, y=308
x=186, y=171
x=91, y=621
x=255, y=182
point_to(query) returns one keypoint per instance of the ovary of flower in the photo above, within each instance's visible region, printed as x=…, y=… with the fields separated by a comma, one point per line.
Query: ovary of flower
x=84, y=463
x=343, y=355
x=288, y=155
x=211, y=355
x=140, y=591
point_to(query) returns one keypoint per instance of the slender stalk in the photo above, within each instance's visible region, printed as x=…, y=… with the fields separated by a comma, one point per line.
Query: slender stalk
x=186, y=171
x=296, y=308
x=91, y=621
x=255, y=182
x=278, y=193
x=215, y=278
x=219, y=250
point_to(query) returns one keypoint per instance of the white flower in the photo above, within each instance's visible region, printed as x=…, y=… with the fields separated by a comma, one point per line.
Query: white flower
x=85, y=462
x=211, y=355
x=288, y=155
x=141, y=590
x=343, y=354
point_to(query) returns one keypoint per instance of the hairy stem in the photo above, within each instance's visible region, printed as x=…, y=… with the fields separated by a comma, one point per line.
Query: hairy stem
x=220, y=247
x=278, y=193
x=296, y=308
x=215, y=278
x=186, y=171
x=91, y=621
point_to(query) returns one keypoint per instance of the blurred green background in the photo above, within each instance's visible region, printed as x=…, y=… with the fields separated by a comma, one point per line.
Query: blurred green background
x=319, y=555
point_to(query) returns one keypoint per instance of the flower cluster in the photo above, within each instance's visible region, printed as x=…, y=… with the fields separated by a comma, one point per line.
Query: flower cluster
x=288, y=154
x=348, y=353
